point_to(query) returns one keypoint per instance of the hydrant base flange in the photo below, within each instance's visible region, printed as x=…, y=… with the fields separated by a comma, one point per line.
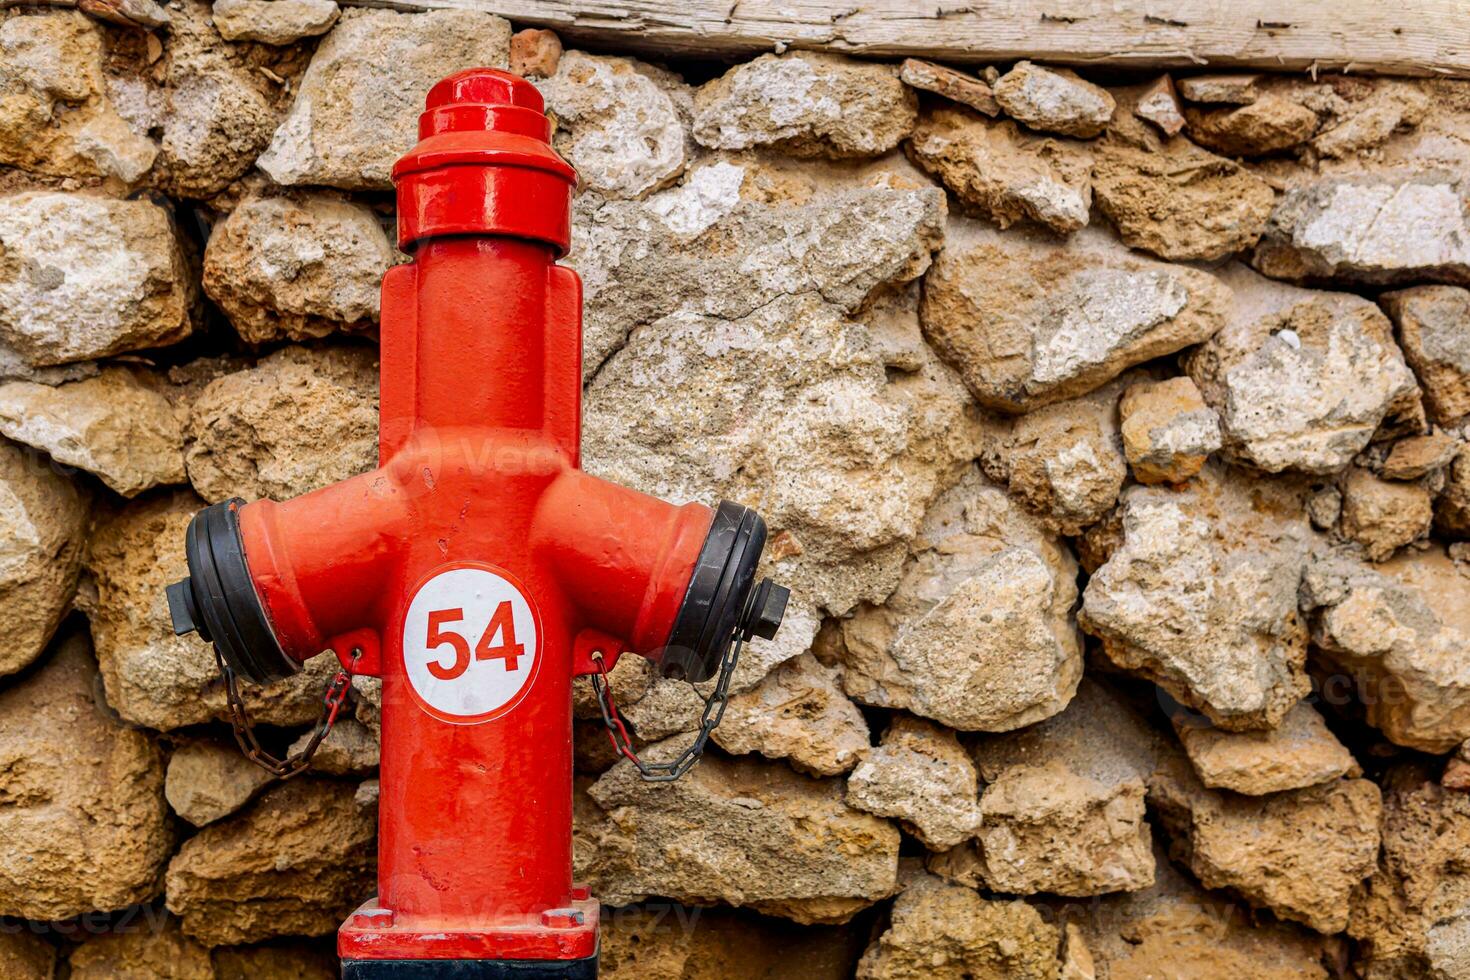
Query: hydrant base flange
x=582, y=969
x=374, y=934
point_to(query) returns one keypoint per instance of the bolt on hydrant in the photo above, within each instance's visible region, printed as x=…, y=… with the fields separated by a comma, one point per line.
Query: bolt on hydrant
x=477, y=570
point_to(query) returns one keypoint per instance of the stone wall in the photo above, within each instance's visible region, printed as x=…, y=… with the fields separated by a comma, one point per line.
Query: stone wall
x=1111, y=432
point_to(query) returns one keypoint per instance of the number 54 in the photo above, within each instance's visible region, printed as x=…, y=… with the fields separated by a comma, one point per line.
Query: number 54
x=501, y=623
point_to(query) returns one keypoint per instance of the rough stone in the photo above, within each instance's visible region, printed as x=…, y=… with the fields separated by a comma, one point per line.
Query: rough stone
x=666, y=941
x=806, y=103
x=1382, y=515
x=1452, y=509
x=1200, y=595
x=1301, y=379
x=1064, y=462
x=301, y=419
x=1382, y=228
x=58, y=118
x=210, y=780
x=920, y=776
x=153, y=677
x=798, y=713
x=1409, y=918
x=119, y=425
x=1367, y=121
x=978, y=635
x=940, y=931
x=1168, y=431
x=535, y=53
x=1232, y=89
x=1178, y=201
x=618, y=122
x=295, y=961
x=297, y=267
x=1054, y=100
x=1434, y=331
x=954, y=85
x=737, y=234
x=26, y=957
x=1159, y=104
x=1397, y=633
x=1002, y=172
x=350, y=749
x=144, y=951
x=746, y=833
x=294, y=864
x=1299, y=853
x=1267, y=125
x=385, y=60
x=81, y=796
x=1415, y=457
x=1027, y=320
x=1063, y=808
x=1299, y=752
x=43, y=522
x=273, y=21
x=84, y=277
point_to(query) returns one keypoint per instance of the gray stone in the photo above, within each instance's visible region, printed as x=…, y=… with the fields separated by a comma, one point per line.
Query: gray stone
x=798, y=713
x=273, y=21
x=1434, y=331
x=921, y=776
x=1054, y=100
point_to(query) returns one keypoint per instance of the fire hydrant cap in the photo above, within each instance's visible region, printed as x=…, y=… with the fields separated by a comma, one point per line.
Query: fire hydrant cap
x=484, y=165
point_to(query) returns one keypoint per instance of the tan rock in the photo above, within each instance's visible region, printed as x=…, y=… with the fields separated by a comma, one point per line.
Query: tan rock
x=619, y=122
x=1054, y=100
x=1028, y=320
x=383, y=59
x=1299, y=752
x=143, y=952
x=1382, y=515
x=920, y=776
x=948, y=932
x=60, y=303
x=1408, y=920
x=276, y=962
x=43, y=520
x=1064, y=462
x=670, y=941
x=741, y=832
x=535, y=53
x=951, y=84
x=301, y=419
x=807, y=103
x=1415, y=457
x=24, y=956
x=292, y=268
x=799, y=713
x=210, y=780
x=1367, y=122
x=1227, y=89
x=1403, y=226
x=273, y=21
x=1434, y=331
x=1200, y=596
x=1063, y=805
x=1299, y=853
x=1002, y=172
x=1159, y=104
x=1267, y=125
x=1168, y=431
x=296, y=863
x=151, y=676
x=1178, y=201
x=1452, y=509
x=978, y=635
x=1302, y=379
x=81, y=796
x=1395, y=633
x=350, y=749
x=119, y=425
x=58, y=118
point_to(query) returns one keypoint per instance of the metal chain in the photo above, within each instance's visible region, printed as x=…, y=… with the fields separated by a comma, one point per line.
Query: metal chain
x=714, y=710
x=332, y=701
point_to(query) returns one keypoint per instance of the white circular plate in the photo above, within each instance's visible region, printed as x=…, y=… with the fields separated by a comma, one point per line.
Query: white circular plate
x=471, y=643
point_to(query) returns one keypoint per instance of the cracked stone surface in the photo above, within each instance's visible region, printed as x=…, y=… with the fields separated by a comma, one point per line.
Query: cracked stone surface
x=807, y=103
x=1199, y=595
x=978, y=635
x=1028, y=320
x=1431, y=324
x=1168, y=431
x=210, y=780
x=1268, y=125
x=798, y=712
x=1383, y=515
x=1054, y=100
x=273, y=21
x=1301, y=378
x=1299, y=752
x=921, y=776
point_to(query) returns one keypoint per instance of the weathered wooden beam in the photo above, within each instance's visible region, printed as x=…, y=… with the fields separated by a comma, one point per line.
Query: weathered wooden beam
x=1402, y=37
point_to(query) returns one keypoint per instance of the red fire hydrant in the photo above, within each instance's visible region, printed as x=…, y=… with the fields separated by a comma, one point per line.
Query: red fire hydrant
x=477, y=569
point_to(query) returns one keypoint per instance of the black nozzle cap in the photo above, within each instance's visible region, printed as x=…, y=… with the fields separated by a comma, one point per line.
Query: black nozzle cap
x=219, y=601
x=723, y=600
